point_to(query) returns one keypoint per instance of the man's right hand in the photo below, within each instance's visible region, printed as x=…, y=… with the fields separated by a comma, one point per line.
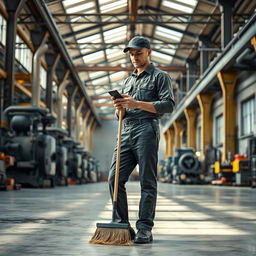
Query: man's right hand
x=118, y=107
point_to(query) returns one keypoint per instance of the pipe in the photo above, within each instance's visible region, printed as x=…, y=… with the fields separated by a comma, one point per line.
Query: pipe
x=61, y=89
x=36, y=70
x=246, y=57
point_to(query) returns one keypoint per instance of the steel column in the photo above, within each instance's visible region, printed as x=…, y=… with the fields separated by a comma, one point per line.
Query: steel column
x=13, y=8
x=69, y=111
x=227, y=82
x=205, y=103
x=52, y=62
x=226, y=21
x=190, y=114
x=178, y=130
x=60, y=92
x=78, y=123
x=85, y=119
x=253, y=42
x=190, y=74
x=204, y=56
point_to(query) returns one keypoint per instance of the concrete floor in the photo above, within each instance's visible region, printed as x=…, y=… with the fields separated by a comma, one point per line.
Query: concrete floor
x=190, y=221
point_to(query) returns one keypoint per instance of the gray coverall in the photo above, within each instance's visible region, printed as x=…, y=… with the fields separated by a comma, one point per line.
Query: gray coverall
x=140, y=139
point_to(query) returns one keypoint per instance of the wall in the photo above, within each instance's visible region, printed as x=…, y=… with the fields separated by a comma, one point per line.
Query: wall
x=245, y=89
x=104, y=141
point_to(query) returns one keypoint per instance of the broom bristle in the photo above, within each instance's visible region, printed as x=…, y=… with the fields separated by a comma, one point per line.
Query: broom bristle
x=112, y=236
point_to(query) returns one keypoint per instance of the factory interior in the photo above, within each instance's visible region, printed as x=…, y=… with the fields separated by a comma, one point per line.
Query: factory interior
x=59, y=126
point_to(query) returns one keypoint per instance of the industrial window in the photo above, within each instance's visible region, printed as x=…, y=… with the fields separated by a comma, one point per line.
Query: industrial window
x=23, y=54
x=248, y=116
x=219, y=130
x=2, y=30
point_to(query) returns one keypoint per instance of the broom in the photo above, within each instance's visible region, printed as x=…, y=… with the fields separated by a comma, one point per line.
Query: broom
x=114, y=233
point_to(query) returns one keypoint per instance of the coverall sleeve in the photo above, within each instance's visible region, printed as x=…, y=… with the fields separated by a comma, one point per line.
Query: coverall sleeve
x=165, y=102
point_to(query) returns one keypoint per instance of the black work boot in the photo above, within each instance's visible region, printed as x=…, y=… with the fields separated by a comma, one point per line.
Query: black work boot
x=143, y=236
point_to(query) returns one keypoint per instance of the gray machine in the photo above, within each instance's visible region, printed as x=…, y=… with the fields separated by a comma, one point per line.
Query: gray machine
x=28, y=142
x=61, y=156
x=186, y=167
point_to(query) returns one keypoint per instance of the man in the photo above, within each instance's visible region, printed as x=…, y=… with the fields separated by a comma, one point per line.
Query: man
x=147, y=95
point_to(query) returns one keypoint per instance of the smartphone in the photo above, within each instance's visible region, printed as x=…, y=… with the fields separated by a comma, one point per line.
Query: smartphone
x=115, y=94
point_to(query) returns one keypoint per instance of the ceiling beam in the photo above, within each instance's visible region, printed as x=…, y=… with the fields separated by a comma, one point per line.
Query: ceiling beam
x=84, y=68
x=133, y=11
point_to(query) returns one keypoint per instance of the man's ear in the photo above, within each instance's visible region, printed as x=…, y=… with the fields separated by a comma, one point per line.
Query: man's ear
x=149, y=52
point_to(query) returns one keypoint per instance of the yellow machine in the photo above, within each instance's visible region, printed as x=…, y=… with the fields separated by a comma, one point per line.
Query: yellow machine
x=234, y=173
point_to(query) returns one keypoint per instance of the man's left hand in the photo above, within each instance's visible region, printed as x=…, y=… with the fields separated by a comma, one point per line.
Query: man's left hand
x=126, y=102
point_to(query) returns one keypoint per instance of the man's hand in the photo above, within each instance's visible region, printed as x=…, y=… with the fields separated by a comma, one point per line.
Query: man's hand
x=118, y=107
x=129, y=102
x=126, y=102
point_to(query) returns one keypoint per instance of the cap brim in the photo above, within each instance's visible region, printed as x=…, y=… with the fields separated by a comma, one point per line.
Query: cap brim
x=132, y=47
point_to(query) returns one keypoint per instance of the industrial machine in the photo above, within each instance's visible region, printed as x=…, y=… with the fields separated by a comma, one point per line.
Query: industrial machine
x=33, y=149
x=74, y=161
x=185, y=167
x=234, y=171
x=165, y=173
x=61, y=156
x=84, y=164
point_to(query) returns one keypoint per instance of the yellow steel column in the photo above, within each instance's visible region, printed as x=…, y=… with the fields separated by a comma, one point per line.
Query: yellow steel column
x=253, y=42
x=169, y=140
x=178, y=128
x=205, y=102
x=227, y=82
x=190, y=114
x=171, y=145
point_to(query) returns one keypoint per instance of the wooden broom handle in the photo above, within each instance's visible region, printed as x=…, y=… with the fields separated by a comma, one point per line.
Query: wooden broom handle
x=119, y=133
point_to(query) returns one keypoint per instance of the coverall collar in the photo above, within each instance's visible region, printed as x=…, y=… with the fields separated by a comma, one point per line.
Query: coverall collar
x=149, y=70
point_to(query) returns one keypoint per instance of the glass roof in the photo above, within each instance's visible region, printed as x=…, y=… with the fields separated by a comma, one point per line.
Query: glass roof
x=101, y=41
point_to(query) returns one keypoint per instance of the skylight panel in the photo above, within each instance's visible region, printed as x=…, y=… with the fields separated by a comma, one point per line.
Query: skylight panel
x=71, y=2
x=176, y=6
x=90, y=39
x=114, y=35
x=168, y=33
x=96, y=74
x=80, y=7
x=94, y=57
x=188, y=2
x=119, y=62
x=112, y=5
x=117, y=76
x=113, y=53
x=170, y=51
x=164, y=58
x=100, y=81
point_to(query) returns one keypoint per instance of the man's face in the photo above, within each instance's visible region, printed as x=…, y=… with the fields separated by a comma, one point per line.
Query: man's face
x=140, y=58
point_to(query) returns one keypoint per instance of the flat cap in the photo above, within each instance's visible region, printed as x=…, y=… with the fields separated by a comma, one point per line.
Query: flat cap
x=137, y=43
